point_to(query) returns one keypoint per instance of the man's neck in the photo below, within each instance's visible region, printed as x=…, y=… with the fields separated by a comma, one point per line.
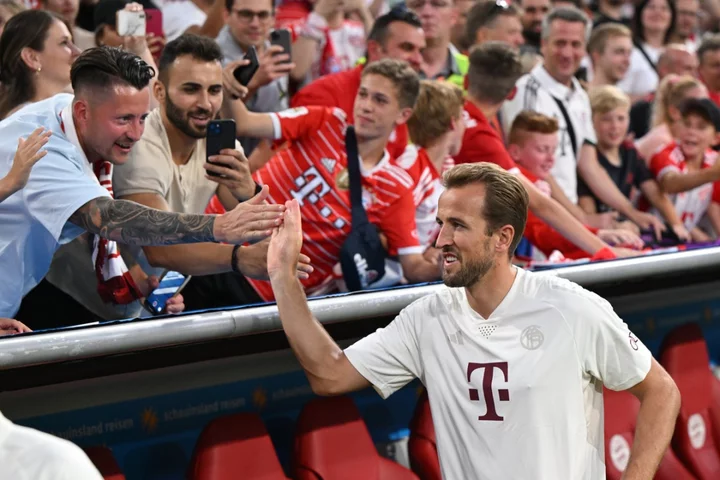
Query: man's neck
x=487, y=294
x=599, y=79
x=564, y=81
x=438, y=151
x=435, y=57
x=181, y=145
x=487, y=109
x=696, y=161
x=371, y=151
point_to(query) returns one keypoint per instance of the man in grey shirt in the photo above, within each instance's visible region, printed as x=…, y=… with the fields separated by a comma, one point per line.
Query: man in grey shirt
x=248, y=23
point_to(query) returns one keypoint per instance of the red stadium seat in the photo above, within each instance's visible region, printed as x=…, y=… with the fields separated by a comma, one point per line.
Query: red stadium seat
x=621, y=409
x=104, y=461
x=422, y=446
x=333, y=443
x=684, y=355
x=235, y=446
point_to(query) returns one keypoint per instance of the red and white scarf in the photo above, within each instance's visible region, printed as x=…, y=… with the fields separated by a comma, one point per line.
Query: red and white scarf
x=115, y=284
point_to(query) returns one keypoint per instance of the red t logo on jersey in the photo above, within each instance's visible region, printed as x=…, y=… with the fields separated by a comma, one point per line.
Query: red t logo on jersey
x=487, y=380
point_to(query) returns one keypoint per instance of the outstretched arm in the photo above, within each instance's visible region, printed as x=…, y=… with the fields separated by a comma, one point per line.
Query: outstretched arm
x=134, y=224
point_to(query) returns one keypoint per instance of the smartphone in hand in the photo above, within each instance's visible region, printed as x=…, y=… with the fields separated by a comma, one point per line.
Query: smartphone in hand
x=282, y=38
x=220, y=135
x=244, y=73
x=131, y=24
x=171, y=284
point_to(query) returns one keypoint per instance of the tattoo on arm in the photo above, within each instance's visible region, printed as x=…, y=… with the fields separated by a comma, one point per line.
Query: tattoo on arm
x=134, y=224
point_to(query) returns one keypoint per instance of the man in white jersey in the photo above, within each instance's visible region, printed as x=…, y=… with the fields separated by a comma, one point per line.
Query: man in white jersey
x=514, y=362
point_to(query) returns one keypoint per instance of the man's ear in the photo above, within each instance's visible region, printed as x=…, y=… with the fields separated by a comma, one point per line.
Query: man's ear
x=514, y=151
x=81, y=111
x=404, y=116
x=159, y=92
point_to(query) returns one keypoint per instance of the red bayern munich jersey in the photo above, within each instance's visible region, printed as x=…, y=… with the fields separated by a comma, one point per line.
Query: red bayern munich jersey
x=691, y=205
x=313, y=170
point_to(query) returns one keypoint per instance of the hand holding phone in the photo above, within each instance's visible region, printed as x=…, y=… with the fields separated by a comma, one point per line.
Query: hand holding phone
x=220, y=135
x=282, y=38
x=171, y=284
x=244, y=73
x=131, y=23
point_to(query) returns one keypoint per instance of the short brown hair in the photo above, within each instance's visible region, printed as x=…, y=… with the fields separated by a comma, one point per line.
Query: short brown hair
x=438, y=104
x=607, y=98
x=484, y=14
x=603, y=33
x=494, y=69
x=529, y=121
x=405, y=79
x=506, y=200
x=710, y=43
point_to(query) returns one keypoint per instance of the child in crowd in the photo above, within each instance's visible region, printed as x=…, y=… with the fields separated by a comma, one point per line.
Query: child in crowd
x=532, y=141
x=620, y=159
x=688, y=170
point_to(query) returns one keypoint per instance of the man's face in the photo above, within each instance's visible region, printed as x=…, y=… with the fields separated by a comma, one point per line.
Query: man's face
x=437, y=17
x=709, y=69
x=463, y=237
x=403, y=42
x=536, y=152
x=193, y=95
x=686, y=20
x=563, y=49
x=66, y=9
x=614, y=61
x=680, y=62
x=109, y=124
x=250, y=21
x=377, y=110
x=696, y=137
x=505, y=28
x=612, y=127
x=458, y=30
x=533, y=13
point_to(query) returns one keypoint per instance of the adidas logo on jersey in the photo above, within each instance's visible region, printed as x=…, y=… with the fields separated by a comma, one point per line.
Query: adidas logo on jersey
x=329, y=164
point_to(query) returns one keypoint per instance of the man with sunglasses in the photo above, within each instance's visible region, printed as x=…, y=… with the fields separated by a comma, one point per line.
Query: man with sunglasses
x=397, y=35
x=441, y=59
x=494, y=20
x=248, y=24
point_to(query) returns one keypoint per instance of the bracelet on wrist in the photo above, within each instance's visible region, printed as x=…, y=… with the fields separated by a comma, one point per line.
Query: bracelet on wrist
x=234, y=260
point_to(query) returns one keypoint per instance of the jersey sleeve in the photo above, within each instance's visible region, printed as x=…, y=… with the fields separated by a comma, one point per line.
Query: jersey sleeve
x=482, y=146
x=546, y=239
x=662, y=163
x=397, y=223
x=608, y=350
x=296, y=123
x=314, y=94
x=57, y=188
x=389, y=358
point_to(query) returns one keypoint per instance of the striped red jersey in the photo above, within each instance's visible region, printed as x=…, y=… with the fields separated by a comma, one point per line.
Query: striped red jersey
x=427, y=187
x=313, y=170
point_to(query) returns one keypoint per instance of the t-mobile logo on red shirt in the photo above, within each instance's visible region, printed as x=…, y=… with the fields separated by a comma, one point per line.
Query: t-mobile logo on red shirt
x=487, y=388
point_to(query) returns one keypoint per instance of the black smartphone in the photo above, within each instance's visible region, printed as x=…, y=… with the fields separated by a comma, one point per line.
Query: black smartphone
x=171, y=284
x=244, y=73
x=220, y=135
x=282, y=37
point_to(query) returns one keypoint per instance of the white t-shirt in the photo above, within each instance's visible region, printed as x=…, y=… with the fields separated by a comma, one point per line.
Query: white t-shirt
x=27, y=454
x=35, y=220
x=517, y=395
x=641, y=78
x=537, y=91
x=179, y=15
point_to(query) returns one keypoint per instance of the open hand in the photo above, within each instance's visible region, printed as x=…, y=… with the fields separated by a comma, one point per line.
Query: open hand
x=27, y=155
x=286, y=242
x=252, y=262
x=648, y=221
x=250, y=221
x=621, y=237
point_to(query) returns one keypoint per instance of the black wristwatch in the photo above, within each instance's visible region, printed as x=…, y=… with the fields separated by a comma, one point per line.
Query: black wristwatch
x=234, y=260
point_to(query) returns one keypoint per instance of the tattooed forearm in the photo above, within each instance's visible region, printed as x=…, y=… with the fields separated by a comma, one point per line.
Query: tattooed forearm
x=134, y=224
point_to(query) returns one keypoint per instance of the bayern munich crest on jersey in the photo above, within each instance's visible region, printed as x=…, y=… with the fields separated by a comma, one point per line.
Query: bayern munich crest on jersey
x=532, y=338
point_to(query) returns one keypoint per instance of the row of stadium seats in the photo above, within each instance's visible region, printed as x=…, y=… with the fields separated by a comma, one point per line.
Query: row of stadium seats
x=332, y=441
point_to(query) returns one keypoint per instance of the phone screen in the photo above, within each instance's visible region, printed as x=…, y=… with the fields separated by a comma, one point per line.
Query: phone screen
x=171, y=284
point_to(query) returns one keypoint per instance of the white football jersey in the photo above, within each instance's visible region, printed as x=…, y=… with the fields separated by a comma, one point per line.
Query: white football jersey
x=517, y=395
x=538, y=91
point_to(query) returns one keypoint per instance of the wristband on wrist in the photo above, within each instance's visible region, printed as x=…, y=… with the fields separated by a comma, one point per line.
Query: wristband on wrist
x=234, y=260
